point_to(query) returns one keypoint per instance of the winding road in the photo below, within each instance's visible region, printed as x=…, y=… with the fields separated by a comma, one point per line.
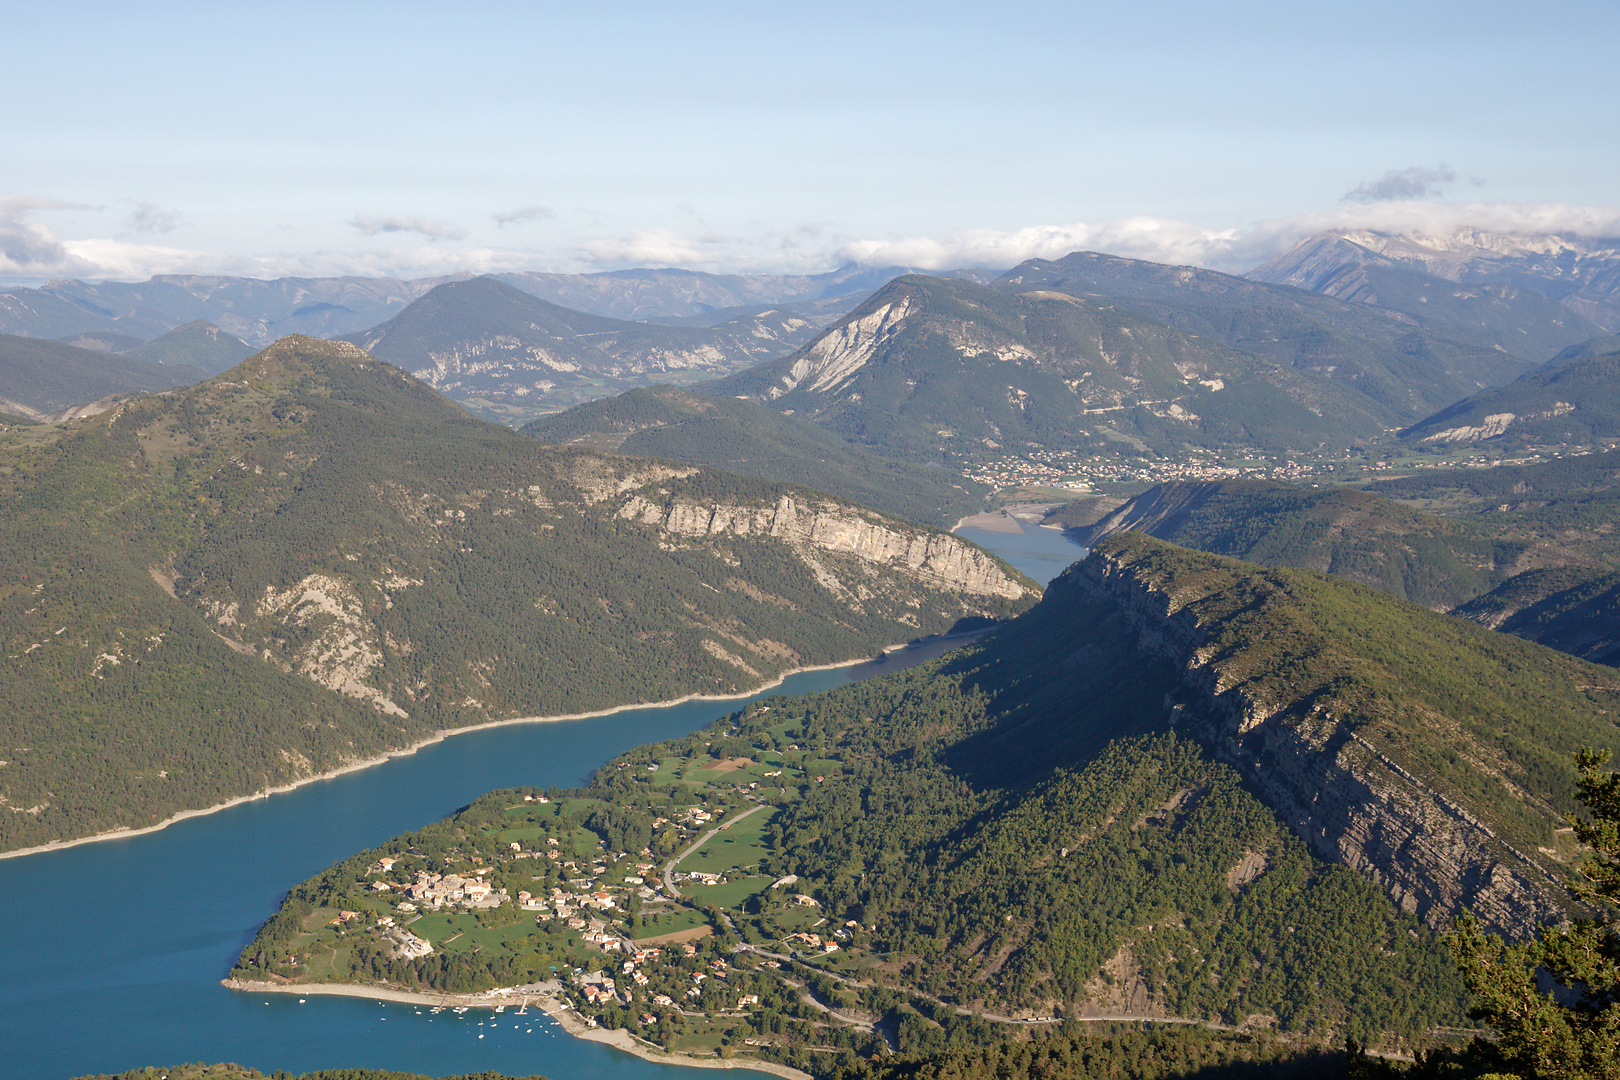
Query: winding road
x=669, y=871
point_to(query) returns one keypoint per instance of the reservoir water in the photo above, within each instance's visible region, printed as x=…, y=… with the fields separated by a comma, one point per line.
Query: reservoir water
x=1040, y=552
x=113, y=951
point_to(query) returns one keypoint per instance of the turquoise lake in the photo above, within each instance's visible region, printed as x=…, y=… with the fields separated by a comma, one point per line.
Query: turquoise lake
x=114, y=950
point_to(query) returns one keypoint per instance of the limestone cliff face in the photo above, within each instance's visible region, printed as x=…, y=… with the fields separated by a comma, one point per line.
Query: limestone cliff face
x=832, y=360
x=815, y=527
x=1349, y=801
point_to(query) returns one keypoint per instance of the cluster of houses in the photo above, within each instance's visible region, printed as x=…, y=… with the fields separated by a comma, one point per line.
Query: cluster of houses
x=432, y=891
x=603, y=989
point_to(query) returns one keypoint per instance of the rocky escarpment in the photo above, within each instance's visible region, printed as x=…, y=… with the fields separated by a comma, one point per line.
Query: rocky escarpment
x=1321, y=758
x=820, y=527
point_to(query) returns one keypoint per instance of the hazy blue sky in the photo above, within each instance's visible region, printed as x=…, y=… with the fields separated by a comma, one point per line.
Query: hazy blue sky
x=415, y=139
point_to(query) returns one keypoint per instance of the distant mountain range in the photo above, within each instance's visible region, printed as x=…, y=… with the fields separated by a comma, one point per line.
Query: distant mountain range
x=1339, y=340
x=1582, y=274
x=510, y=347
x=1096, y=354
x=260, y=311
x=679, y=295
x=509, y=355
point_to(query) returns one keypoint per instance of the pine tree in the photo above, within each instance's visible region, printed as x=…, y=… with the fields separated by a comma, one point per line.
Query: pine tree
x=1575, y=1034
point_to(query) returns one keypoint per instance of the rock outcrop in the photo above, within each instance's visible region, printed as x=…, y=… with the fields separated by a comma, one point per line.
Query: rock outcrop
x=809, y=526
x=1350, y=801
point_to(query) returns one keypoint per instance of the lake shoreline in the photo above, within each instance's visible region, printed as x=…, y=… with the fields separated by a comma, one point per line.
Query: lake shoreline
x=545, y=999
x=438, y=737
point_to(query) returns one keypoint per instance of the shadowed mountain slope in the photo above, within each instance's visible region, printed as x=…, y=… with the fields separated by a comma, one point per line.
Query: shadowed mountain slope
x=751, y=439
x=41, y=378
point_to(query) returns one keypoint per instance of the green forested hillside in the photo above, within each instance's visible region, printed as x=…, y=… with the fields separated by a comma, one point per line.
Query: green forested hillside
x=1181, y=785
x=1575, y=402
x=314, y=558
x=1434, y=561
x=1427, y=354
x=755, y=440
x=929, y=367
x=40, y=378
x=198, y=344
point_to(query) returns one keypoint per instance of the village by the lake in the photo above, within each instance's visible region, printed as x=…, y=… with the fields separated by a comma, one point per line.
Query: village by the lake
x=653, y=913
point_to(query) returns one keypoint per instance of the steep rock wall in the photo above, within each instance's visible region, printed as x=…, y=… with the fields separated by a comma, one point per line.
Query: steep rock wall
x=1347, y=800
x=935, y=558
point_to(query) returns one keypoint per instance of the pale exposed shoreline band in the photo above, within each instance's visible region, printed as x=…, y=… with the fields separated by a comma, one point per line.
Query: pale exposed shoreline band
x=618, y=1039
x=429, y=740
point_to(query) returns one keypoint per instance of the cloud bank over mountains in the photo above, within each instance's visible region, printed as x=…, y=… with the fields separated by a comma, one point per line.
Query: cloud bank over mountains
x=30, y=250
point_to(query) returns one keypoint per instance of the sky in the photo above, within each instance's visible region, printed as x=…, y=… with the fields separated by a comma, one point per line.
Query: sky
x=413, y=140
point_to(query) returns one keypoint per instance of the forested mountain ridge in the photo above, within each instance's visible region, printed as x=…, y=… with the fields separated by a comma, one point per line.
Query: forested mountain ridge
x=1181, y=785
x=1439, y=562
x=1412, y=362
x=929, y=367
x=1428, y=754
x=1098, y=353
x=316, y=529
x=756, y=440
x=1575, y=401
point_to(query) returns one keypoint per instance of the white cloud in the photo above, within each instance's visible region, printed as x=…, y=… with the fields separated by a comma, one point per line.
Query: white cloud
x=370, y=225
x=1233, y=250
x=30, y=250
x=658, y=247
x=1415, y=182
x=1159, y=239
x=504, y=218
